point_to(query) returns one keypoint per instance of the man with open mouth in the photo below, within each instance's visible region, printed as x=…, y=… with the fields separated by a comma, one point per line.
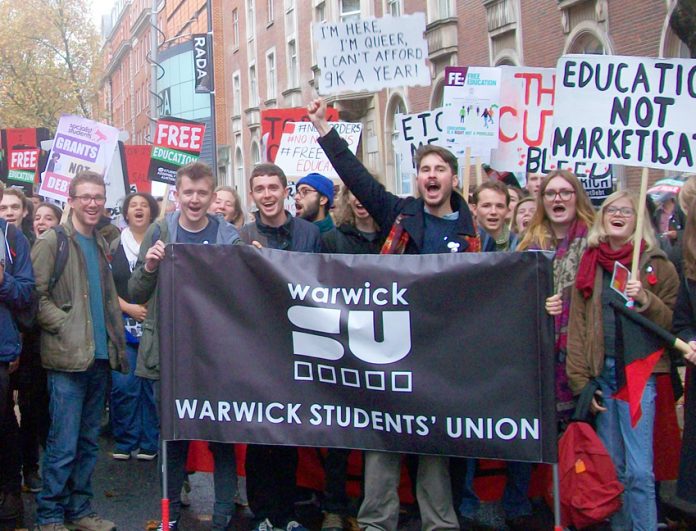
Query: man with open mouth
x=438, y=221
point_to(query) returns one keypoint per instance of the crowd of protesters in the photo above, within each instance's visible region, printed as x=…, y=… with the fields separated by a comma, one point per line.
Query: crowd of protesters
x=79, y=321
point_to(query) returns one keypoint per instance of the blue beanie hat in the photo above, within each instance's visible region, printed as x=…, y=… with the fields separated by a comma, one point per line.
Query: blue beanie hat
x=321, y=184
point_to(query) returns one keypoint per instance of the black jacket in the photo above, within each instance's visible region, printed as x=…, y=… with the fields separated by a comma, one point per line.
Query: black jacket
x=346, y=239
x=384, y=206
x=296, y=234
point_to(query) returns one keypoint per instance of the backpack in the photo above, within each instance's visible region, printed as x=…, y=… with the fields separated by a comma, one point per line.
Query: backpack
x=590, y=491
x=26, y=317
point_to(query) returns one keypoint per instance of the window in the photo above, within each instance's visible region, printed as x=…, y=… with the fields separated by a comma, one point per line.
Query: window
x=350, y=10
x=270, y=75
x=250, y=20
x=320, y=11
x=444, y=9
x=402, y=180
x=255, y=153
x=293, y=80
x=587, y=43
x=239, y=164
x=394, y=8
x=269, y=11
x=253, y=87
x=290, y=17
x=236, y=94
x=235, y=28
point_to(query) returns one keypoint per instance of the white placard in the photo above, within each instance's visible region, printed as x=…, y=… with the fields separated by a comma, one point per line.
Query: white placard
x=634, y=111
x=300, y=153
x=371, y=54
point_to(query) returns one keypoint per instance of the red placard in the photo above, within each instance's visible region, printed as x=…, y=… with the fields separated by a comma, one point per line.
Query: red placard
x=179, y=135
x=137, y=163
x=273, y=122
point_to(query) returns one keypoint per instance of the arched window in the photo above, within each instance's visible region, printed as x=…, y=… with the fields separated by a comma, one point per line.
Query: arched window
x=238, y=166
x=438, y=93
x=402, y=182
x=255, y=153
x=587, y=42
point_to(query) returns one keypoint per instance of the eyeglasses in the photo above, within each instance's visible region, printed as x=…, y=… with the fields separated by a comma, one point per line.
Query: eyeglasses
x=86, y=199
x=550, y=195
x=301, y=192
x=624, y=211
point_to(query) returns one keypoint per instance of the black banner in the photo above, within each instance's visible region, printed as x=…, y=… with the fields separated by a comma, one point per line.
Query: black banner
x=438, y=354
x=202, y=63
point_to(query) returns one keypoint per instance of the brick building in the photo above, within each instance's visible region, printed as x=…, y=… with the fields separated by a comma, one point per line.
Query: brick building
x=269, y=61
x=264, y=58
x=127, y=34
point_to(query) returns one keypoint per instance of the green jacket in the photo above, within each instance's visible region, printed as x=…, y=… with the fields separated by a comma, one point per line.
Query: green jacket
x=143, y=288
x=67, y=339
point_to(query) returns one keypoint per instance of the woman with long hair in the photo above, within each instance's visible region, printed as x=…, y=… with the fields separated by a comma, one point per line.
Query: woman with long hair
x=522, y=215
x=684, y=325
x=560, y=223
x=228, y=203
x=592, y=352
x=133, y=408
x=356, y=232
x=46, y=216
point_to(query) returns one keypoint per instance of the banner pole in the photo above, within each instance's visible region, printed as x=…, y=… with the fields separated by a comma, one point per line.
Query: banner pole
x=165, y=203
x=556, y=499
x=165, y=499
x=466, y=178
x=479, y=171
x=638, y=236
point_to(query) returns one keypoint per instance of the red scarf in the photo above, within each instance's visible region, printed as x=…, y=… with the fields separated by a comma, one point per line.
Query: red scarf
x=604, y=256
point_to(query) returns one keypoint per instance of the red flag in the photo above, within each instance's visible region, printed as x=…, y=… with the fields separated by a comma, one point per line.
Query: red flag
x=639, y=346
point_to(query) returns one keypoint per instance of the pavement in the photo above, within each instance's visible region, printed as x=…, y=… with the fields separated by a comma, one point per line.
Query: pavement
x=128, y=493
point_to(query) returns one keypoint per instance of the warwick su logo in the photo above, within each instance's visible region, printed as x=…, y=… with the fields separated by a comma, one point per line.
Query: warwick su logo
x=315, y=324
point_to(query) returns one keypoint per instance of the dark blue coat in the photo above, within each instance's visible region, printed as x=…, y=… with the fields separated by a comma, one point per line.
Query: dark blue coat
x=15, y=290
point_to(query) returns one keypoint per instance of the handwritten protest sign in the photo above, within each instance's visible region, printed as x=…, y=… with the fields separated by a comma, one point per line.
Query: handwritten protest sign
x=472, y=103
x=626, y=110
x=416, y=130
x=116, y=182
x=526, y=114
x=526, y=129
x=177, y=143
x=371, y=54
x=137, y=164
x=300, y=153
x=273, y=122
x=80, y=144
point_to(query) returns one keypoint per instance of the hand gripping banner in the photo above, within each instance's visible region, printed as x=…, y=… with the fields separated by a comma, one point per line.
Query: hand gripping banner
x=433, y=354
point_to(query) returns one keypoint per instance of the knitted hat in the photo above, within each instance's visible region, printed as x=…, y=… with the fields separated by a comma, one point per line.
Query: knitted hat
x=321, y=184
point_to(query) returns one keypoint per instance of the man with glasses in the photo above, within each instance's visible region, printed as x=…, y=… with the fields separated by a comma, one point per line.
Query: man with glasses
x=82, y=341
x=313, y=200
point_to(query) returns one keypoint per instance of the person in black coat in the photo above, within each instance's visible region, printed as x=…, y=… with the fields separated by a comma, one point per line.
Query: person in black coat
x=684, y=325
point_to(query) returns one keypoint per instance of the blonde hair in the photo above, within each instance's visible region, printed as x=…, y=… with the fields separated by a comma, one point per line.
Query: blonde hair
x=597, y=233
x=688, y=192
x=342, y=212
x=539, y=232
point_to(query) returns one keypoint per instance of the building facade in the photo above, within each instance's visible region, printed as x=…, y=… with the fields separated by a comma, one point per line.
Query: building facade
x=264, y=59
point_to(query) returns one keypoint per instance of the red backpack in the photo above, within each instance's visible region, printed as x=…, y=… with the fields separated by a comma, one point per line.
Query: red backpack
x=590, y=490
